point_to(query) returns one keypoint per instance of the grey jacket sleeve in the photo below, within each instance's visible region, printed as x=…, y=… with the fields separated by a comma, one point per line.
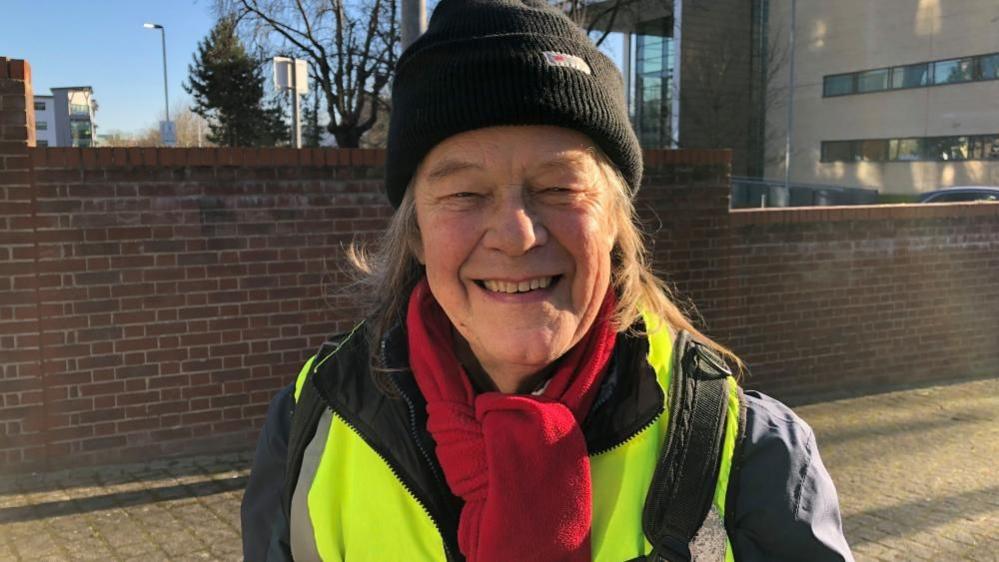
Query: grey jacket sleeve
x=786, y=507
x=261, y=512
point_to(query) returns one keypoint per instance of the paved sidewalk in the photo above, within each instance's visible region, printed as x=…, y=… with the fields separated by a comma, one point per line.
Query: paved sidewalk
x=916, y=471
x=185, y=509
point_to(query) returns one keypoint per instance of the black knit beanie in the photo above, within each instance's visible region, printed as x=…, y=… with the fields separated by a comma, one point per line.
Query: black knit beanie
x=484, y=63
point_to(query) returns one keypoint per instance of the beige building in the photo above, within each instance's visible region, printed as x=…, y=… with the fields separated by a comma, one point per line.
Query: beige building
x=897, y=95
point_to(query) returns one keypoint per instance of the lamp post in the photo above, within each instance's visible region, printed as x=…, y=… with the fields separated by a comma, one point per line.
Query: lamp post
x=166, y=95
x=790, y=99
x=414, y=20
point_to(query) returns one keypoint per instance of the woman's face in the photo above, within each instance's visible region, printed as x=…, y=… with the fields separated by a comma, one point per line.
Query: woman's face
x=516, y=237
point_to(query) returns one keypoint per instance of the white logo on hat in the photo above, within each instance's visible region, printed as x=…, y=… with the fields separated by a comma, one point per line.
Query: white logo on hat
x=568, y=61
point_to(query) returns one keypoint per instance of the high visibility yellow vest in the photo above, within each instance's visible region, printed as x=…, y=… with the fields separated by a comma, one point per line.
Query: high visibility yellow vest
x=349, y=505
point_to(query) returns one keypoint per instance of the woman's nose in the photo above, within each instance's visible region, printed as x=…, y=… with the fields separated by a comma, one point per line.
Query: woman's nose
x=514, y=229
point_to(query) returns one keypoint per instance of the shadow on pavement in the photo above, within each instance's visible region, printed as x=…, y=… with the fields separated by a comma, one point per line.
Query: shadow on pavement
x=113, y=475
x=906, y=426
x=900, y=516
x=120, y=499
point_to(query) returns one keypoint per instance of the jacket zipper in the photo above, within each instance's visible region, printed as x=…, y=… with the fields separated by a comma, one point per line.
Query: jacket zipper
x=630, y=438
x=402, y=481
x=414, y=433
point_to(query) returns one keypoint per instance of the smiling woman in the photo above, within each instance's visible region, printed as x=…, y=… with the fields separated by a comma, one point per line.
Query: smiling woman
x=490, y=229
x=522, y=387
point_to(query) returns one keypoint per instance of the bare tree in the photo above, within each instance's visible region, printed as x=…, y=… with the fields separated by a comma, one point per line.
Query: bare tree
x=350, y=47
x=377, y=136
x=596, y=17
x=733, y=91
x=191, y=130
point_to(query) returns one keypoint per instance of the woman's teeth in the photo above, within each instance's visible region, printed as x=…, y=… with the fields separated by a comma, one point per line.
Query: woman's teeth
x=521, y=287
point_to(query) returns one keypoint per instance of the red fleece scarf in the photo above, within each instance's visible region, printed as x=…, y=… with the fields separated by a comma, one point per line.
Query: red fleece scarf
x=518, y=461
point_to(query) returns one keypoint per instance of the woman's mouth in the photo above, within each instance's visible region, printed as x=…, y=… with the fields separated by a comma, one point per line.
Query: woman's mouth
x=512, y=287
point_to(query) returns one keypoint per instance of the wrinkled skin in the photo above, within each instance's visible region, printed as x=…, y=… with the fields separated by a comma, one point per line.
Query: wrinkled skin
x=497, y=208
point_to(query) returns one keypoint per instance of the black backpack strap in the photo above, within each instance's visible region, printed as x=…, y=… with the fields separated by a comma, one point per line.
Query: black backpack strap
x=683, y=484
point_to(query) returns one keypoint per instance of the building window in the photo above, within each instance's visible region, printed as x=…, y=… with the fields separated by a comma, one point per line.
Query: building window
x=872, y=150
x=655, y=60
x=837, y=85
x=79, y=109
x=905, y=150
x=985, y=147
x=82, y=133
x=928, y=149
x=946, y=149
x=873, y=80
x=837, y=151
x=953, y=71
x=41, y=125
x=910, y=76
x=41, y=143
x=39, y=106
x=988, y=67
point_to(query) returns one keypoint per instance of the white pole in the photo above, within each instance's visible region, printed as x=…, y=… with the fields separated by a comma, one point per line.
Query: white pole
x=790, y=100
x=297, y=133
x=166, y=94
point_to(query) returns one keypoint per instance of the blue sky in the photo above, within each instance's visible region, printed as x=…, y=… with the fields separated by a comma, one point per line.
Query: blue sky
x=101, y=43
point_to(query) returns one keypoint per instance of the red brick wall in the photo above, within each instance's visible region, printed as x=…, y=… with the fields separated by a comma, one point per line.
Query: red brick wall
x=832, y=301
x=838, y=300
x=152, y=300
x=21, y=400
x=176, y=290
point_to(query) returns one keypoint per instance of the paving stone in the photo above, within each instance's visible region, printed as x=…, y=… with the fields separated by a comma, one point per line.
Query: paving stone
x=155, y=556
x=37, y=545
x=137, y=550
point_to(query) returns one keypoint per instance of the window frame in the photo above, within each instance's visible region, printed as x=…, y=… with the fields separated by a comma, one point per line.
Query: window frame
x=958, y=62
x=827, y=79
x=918, y=148
x=826, y=146
x=976, y=74
x=888, y=71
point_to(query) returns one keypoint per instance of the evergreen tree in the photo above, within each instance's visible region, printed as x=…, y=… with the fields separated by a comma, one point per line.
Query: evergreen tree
x=228, y=89
x=312, y=132
x=273, y=130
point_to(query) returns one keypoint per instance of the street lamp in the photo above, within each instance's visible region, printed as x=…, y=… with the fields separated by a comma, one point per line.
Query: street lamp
x=166, y=96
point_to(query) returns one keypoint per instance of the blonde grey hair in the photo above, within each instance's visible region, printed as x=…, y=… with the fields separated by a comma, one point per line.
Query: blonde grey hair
x=387, y=273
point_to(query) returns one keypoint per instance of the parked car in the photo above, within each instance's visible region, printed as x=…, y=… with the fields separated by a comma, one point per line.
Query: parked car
x=963, y=193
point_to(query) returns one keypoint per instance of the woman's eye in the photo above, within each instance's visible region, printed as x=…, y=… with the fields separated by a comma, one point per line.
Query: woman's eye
x=557, y=190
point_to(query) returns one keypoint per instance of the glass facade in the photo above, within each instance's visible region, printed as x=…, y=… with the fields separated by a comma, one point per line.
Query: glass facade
x=82, y=133
x=655, y=62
